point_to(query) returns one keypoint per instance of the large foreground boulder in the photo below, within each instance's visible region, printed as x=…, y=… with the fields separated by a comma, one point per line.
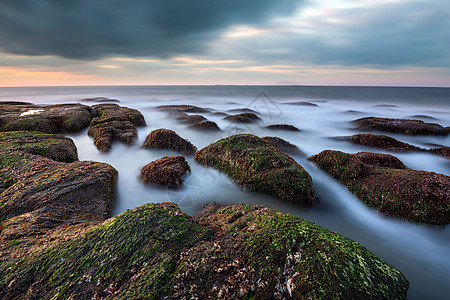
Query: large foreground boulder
x=166, y=171
x=114, y=122
x=57, y=118
x=383, y=182
x=256, y=165
x=248, y=252
x=168, y=139
x=405, y=126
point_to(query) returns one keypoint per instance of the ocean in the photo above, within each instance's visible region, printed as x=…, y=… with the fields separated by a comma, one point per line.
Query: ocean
x=421, y=252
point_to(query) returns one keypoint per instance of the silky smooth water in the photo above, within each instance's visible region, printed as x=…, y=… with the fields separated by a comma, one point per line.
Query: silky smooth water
x=421, y=252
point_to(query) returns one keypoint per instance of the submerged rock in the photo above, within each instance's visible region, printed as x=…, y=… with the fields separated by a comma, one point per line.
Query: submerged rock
x=166, y=171
x=205, y=126
x=114, y=122
x=442, y=151
x=242, y=110
x=183, y=108
x=283, y=145
x=382, y=141
x=100, y=100
x=382, y=181
x=243, y=118
x=242, y=251
x=56, y=118
x=56, y=147
x=256, y=165
x=405, y=126
x=286, y=127
x=190, y=119
x=168, y=139
x=301, y=103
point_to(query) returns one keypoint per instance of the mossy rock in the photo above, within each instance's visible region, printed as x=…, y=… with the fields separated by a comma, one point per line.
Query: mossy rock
x=166, y=171
x=205, y=126
x=114, y=122
x=405, y=126
x=383, y=182
x=249, y=252
x=256, y=165
x=168, y=139
x=382, y=142
x=283, y=145
x=56, y=147
x=190, y=119
x=243, y=118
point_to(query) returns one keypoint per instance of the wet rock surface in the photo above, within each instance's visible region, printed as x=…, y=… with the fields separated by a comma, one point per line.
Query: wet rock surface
x=168, y=139
x=240, y=251
x=381, y=181
x=113, y=122
x=382, y=142
x=256, y=165
x=243, y=118
x=205, y=126
x=301, y=103
x=58, y=118
x=442, y=151
x=283, y=145
x=183, y=108
x=100, y=100
x=285, y=127
x=166, y=171
x=404, y=126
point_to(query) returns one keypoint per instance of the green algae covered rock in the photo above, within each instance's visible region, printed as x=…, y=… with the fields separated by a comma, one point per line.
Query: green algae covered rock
x=250, y=252
x=56, y=147
x=258, y=166
x=56, y=118
x=383, y=182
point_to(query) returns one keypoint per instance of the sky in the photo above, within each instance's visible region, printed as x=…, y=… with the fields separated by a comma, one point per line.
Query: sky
x=310, y=42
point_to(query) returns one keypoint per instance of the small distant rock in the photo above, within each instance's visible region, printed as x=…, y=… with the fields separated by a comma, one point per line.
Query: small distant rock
x=183, y=108
x=405, y=126
x=190, y=119
x=301, y=103
x=424, y=117
x=283, y=145
x=15, y=103
x=381, y=141
x=243, y=118
x=168, y=139
x=443, y=151
x=219, y=113
x=355, y=112
x=100, y=100
x=205, y=126
x=282, y=127
x=166, y=171
x=242, y=110
x=386, y=105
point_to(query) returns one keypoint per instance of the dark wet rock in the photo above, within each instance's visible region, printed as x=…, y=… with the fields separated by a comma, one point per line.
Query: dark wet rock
x=183, y=108
x=355, y=112
x=405, y=126
x=100, y=100
x=57, y=118
x=417, y=196
x=242, y=110
x=442, y=151
x=282, y=127
x=386, y=105
x=283, y=145
x=243, y=118
x=43, y=200
x=219, y=113
x=256, y=165
x=234, y=252
x=54, y=146
x=168, y=139
x=205, y=126
x=15, y=103
x=190, y=119
x=301, y=103
x=166, y=171
x=114, y=122
x=382, y=142
x=424, y=117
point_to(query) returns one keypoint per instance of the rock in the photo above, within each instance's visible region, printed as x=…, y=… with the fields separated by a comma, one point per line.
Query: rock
x=243, y=118
x=301, y=103
x=380, y=181
x=405, y=126
x=382, y=142
x=166, y=171
x=424, y=117
x=283, y=145
x=100, y=100
x=219, y=113
x=57, y=118
x=242, y=110
x=205, y=126
x=15, y=103
x=282, y=127
x=183, y=108
x=190, y=119
x=168, y=139
x=43, y=200
x=56, y=147
x=114, y=122
x=235, y=252
x=443, y=151
x=258, y=166
x=386, y=105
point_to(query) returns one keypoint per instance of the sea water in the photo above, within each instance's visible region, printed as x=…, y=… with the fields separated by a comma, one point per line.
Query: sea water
x=421, y=252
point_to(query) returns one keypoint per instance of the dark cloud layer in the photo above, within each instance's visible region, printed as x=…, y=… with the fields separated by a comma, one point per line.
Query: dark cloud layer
x=91, y=29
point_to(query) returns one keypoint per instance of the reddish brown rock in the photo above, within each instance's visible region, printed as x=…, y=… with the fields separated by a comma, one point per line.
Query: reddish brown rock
x=442, y=151
x=100, y=100
x=166, y=171
x=242, y=110
x=189, y=119
x=243, y=118
x=205, y=126
x=183, y=108
x=283, y=145
x=114, y=122
x=168, y=139
x=285, y=127
x=382, y=141
x=405, y=126
x=382, y=182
